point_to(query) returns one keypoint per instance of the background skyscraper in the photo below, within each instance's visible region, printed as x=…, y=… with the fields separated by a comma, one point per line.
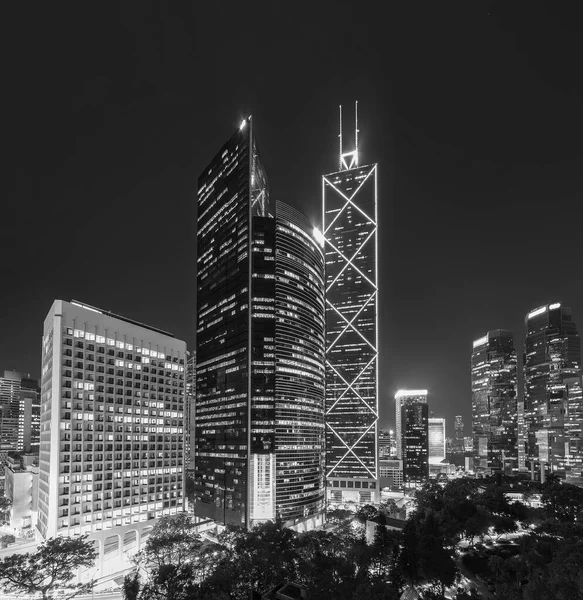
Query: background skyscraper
x=436, y=433
x=494, y=403
x=412, y=413
x=349, y=205
x=552, y=362
x=112, y=429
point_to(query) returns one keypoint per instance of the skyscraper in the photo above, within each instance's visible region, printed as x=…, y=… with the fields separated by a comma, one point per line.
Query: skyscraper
x=436, y=433
x=458, y=427
x=112, y=429
x=349, y=205
x=494, y=403
x=235, y=353
x=413, y=435
x=259, y=374
x=552, y=363
x=300, y=369
x=19, y=413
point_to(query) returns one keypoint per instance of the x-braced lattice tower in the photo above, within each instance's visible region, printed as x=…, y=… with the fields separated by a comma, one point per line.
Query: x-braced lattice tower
x=349, y=204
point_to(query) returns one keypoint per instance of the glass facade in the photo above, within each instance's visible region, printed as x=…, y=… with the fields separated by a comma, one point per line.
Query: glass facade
x=436, y=427
x=300, y=368
x=412, y=414
x=350, y=232
x=552, y=362
x=494, y=403
x=235, y=372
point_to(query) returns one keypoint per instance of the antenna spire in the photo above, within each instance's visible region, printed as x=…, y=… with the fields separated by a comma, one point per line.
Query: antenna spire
x=356, y=131
x=340, y=136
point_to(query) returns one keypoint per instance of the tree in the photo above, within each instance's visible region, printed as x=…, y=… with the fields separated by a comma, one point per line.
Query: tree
x=366, y=513
x=131, y=586
x=562, y=500
x=5, y=506
x=52, y=566
x=6, y=540
x=168, y=557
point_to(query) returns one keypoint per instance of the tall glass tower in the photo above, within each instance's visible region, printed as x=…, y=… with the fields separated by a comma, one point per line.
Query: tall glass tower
x=349, y=206
x=235, y=370
x=260, y=371
x=300, y=369
x=412, y=419
x=494, y=403
x=552, y=390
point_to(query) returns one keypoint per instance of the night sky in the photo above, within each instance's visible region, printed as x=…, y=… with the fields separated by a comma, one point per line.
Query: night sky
x=473, y=111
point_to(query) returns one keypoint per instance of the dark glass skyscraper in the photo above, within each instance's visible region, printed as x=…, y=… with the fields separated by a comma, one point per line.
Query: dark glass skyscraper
x=235, y=353
x=300, y=368
x=412, y=416
x=494, y=403
x=260, y=349
x=552, y=362
x=349, y=198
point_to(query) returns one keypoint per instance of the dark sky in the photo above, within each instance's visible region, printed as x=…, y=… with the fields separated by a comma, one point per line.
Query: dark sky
x=473, y=110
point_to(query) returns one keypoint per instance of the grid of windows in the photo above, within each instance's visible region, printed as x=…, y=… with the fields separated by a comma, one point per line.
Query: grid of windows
x=120, y=428
x=494, y=403
x=300, y=380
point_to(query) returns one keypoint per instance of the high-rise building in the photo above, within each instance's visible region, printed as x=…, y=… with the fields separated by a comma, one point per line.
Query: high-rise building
x=413, y=435
x=300, y=369
x=112, y=428
x=189, y=414
x=259, y=389
x=387, y=444
x=19, y=413
x=349, y=206
x=458, y=439
x=436, y=433
x=494, y=403
x=552, y=363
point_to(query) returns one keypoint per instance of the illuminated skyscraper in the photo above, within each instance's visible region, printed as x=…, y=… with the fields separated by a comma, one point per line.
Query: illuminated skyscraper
x=260, y=372
x=300, y=369
x=494, y=403
x=552, y=362
x=235, y=353
x=413, y=435
x=112, y=423
x=349, y=204
x=436, y=432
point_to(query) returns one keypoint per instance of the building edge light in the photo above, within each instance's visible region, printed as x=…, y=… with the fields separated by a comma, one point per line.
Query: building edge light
x=401, y=393
x=319, y=237
x=536, y=312
x=243, y=123
x=554, y=306
x=480, y=341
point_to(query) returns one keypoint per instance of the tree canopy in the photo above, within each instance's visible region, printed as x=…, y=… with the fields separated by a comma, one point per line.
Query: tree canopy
x=51, y=567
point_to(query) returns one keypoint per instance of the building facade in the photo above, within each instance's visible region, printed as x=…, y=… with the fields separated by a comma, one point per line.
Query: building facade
x=112, y=422
x=19, y=413
x=412, y=418
x=300, y=369
x=552, y=381
x=436, y=433
x=259, y=374
x=349, y=207
x=21, y=474
x=494, y=403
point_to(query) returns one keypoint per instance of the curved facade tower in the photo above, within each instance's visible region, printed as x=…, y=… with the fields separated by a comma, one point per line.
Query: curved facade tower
x=300, y=368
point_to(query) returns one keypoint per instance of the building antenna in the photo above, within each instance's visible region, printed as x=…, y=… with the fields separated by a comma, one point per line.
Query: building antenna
x=340, y=137
x=356, y=132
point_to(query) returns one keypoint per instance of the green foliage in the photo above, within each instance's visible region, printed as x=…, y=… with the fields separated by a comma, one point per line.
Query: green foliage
x=52, y=566
x=5, y=506
x=131, y=586
x=562, y=500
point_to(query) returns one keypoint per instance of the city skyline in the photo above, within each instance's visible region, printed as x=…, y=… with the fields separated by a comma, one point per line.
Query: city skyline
x=117, y=143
